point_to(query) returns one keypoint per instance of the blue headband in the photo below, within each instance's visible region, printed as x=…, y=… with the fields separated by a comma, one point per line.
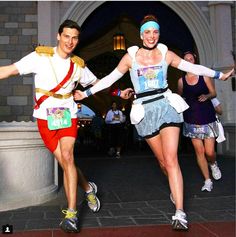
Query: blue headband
x=148, y=25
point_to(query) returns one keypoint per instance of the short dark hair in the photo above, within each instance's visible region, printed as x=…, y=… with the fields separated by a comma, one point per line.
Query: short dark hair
x=68, y=24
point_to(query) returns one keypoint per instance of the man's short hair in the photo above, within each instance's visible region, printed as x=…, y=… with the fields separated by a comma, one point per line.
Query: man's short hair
x=69, y=24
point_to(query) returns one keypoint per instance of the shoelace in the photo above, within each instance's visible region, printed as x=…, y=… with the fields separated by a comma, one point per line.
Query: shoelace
x=180, y=218
x=91, y=198
x=69, y=214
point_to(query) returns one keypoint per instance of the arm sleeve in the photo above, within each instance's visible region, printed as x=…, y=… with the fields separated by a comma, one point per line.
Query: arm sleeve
x=105, y=82
x=199, y=70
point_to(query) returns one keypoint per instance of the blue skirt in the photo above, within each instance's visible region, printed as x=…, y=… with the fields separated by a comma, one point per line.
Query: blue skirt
x=158, y=114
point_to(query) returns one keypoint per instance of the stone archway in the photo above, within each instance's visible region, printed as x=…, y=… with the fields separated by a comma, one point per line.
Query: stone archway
x=188, y=11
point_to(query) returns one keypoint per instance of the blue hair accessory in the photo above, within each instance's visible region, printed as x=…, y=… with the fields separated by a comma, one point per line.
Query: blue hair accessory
x=148, y=25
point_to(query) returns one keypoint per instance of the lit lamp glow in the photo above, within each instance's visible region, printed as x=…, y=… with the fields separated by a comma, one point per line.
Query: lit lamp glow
x=79, y=106
x=119, y=42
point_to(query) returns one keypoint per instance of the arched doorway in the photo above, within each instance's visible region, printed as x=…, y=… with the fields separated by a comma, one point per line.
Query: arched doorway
x=191, y=15
x=179, y=27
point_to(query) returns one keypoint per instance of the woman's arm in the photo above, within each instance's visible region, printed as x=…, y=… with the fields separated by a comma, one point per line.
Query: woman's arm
x=175, y=61
x=180, y=86
x=217, y=106
x=108, y=80
x=219, y=109
x=211, y=88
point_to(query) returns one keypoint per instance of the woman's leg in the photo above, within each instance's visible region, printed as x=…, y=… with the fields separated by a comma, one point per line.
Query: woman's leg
x=209, y=145
x=165, y=146
x=201, y=158
x=211, y=157
x=156, y=142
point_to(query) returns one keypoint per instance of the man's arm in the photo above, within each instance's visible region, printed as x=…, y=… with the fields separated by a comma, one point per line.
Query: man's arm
x=7, y=71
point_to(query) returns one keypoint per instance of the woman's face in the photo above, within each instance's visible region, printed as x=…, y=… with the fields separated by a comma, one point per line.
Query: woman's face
x=189, y=58
x=150, y=37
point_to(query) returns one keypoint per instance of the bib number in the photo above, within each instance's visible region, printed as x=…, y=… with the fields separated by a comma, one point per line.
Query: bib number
x=58, y=118
x=199, y=129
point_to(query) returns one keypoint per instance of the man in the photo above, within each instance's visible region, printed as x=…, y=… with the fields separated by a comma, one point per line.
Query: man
x=114, y=119
x=57, y=71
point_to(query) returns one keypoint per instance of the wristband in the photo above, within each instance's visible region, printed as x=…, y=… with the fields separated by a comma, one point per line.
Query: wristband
x=217, y=75
x=116, y=92
x=88, y=92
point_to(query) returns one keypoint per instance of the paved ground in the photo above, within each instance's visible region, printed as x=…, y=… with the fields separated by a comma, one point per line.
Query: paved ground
x=134, y=193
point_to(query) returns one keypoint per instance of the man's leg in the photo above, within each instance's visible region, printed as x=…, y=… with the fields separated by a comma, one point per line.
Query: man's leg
x=65, y=157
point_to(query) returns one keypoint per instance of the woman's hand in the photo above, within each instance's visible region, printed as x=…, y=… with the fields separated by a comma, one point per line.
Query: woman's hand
x=127, y=93
x=79, y=95
x=203, y=97
x=227, y=75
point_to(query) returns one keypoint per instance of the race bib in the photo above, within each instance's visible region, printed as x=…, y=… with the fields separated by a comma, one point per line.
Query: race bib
x=151, y=77
x=58, y=118
x=202, y=129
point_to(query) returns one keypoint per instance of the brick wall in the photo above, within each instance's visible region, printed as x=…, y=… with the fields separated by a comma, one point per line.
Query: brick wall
x=18, y=37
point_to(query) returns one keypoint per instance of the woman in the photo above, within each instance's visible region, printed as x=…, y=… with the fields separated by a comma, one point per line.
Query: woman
x=200, y=121
x=155, y=120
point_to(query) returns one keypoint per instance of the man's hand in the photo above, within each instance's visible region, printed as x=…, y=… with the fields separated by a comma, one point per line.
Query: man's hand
x=227, y=75
x=79, y=95
x=127, y=93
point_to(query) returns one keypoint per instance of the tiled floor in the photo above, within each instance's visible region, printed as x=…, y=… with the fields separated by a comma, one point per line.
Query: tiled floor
x=213, y=229
x=135, y=202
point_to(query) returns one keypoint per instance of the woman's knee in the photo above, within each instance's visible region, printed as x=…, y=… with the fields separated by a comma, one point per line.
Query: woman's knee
x=171, y=162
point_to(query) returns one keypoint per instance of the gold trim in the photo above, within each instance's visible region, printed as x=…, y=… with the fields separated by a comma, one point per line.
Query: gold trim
x=77, y=60
x=45, y=50
x=49, y=93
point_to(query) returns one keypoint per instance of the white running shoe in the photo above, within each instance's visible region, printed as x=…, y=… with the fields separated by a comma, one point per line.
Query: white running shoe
x=92, y=199
x=208, y=185
x=179, y=221
x=216, y=173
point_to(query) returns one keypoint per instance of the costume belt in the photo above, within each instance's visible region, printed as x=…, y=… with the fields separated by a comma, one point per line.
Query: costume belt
x=49, y=93
x=148, y=93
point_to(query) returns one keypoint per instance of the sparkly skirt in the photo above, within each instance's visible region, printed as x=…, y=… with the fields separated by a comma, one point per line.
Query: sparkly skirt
x=200, y=131
x=158, y=114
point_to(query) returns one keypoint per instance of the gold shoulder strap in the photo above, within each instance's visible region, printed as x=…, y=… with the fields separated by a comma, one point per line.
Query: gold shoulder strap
x=77, y=60
x=45, y=50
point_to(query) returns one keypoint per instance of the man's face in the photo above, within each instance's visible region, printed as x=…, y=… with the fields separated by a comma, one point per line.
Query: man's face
x=67, y=41
x=114, y=106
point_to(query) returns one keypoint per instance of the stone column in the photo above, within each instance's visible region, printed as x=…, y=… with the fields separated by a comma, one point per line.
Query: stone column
x=26, y=167
x=221, y=25
x=48, y=22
